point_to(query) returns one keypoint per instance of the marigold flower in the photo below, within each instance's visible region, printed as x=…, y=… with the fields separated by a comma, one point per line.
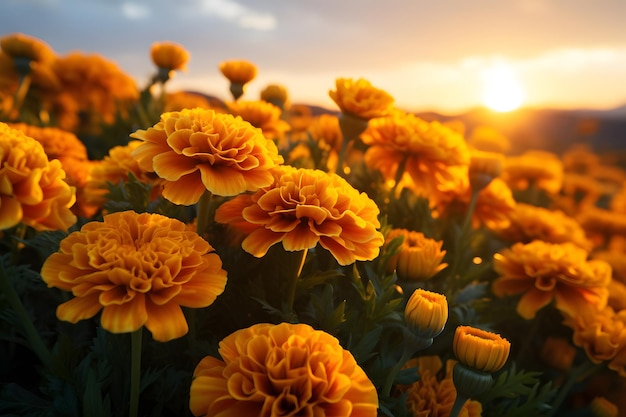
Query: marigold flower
x=601, y=407
x=360, y=99
x=57, y=143
x=419, y=258
x=139, y=269
x=601, y=224
x=426, y=312
x=186, y=100
x=486, y=138
x=263, y=115
x=169, y=56
x=558, y=353
x=432, y=156
x=483, y=168
x=277, y=95
x=19, y=45
x=602, y=335
x=32, y=188
x=302, y=208
x=542, y=271
x=529, y=222
x=239, y=73
x=580, y=159
x=433, y=395
x=280, y=370
x=542, y=169
x=479, y=349
x=195, y=150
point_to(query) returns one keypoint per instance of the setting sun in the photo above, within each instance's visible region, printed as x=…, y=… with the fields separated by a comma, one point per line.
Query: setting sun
x=502, y=91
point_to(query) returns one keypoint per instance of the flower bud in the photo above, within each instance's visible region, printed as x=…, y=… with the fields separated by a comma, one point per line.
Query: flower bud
x=479, y=349
x=426, y=312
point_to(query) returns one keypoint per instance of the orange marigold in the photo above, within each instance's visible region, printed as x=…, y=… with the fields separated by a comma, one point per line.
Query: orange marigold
x=434, y=394
x=280, y=370
x=169, y=56
x=57, y=143
x=541, y=169
x=542, y=271
x=529, y=222
x=19, y=45
x=479, y=349
x=238, y=71
x=418, y=258
x=360, y=99
x=302, y=208
x=434, y=157
x=426, y=312
x=261, y=114
x=32, y=188
x=195, y=150
x=139, y=269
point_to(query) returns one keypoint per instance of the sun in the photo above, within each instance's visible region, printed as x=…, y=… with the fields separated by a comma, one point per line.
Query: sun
x=502, y=91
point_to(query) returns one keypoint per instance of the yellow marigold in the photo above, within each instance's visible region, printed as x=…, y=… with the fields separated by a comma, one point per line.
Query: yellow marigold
x=169, y=55
x=583, y=189
x=617, y=260
x=419, y=258
x=617, y=295
x=359, y=98
x=195, y=150
x=542, y=271
x=483, y=168
x=117, y=167
x=57, y=143
x=529, y=222
x=277, y=95
x=302, y=208
x=541, y=169
x=139, y=269
x=19, y=45
x=32, y=188
x=186, y=100
x=261, y=114
x=434, y=157
x=434, y=394
x=603, y=337
x=601, y=224
x=280, y=370
x=479, y=349
x=426, y=312
x=580, y=159
x=488, y=139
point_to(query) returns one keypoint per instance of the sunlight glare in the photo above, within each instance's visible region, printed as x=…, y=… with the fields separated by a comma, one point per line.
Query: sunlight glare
x=502, y=91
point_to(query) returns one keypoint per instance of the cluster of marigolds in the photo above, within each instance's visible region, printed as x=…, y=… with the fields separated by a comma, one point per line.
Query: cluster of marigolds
x=249, y=167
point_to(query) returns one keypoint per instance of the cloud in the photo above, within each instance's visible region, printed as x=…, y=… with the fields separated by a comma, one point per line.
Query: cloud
x=239, y=14
x=135, y=11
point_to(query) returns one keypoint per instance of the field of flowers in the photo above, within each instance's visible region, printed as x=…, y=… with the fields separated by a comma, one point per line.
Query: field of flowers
x=167, y=253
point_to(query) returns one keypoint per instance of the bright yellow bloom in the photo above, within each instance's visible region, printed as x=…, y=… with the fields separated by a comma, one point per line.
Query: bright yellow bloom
x=543, y=272
x=261, y=114
x=433, y=395
x=19, y=45
x=529, y=222
x=277, y=95
x=360, y=99
x=479, y=349
x=196, y=150
x=426, y=312
x=186, y=100
x=117, y=167
x=541, y=169
x=302, y=208
x=281, y=370
x=419, y=258
x=169, y=55
x=617, y=260
x=601, y=224
x=32, y=188
x=602, y=336
x=139, y=269
x=57, y=143
x=432, y=156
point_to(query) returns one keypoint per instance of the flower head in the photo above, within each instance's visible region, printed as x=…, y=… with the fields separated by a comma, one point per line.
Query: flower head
x=426, y=312
x=541, y=169
x=32, y=188
x=169, y=56
x=239, y=73
x=304, y=207
x=19, y=45
x=281, y=370
x=483, y=168
x=419, y=258
x=542, y=271
x=277, y=95
x=139, y=269
x=261, y=114
x=195, y=150
x=360, y=99
x=479, y=349
x=601, y=407
x=486, y=138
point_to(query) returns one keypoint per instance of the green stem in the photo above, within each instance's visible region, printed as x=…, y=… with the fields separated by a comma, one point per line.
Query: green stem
x=583, y=370
x=22, y=90
x=460, y=240
x=398, y=177
x=32, y=335
x=293, y=283
x=459, y=401
x=203, y=213
x=135, y=371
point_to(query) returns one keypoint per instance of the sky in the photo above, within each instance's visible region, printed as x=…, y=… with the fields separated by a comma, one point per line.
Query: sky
x=429, y=55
